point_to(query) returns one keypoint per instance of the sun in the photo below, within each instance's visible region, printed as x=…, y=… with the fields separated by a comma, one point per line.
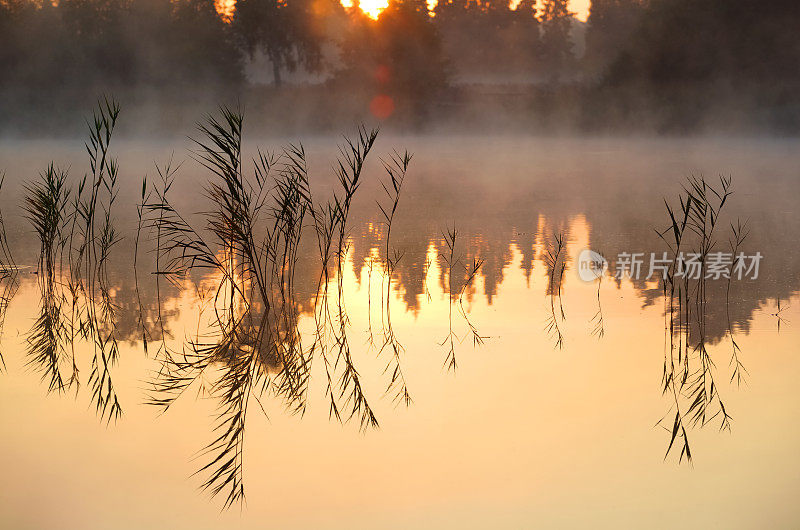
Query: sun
x=371, y=8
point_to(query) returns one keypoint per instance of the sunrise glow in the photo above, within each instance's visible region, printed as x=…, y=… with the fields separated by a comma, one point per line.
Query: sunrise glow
x=373, y=8
x=225, y=9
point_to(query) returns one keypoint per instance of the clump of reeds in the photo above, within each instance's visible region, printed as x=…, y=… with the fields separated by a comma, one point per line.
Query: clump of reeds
x=331, y=226
x=9, y=275
x=92, y=236
x=250, y=242
x=76, y=234
x=689, y=372
x=48, y=339
x=247, y=327
x=455, y=296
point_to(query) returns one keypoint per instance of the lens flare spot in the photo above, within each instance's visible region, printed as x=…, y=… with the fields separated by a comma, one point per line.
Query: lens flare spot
x=382, y=106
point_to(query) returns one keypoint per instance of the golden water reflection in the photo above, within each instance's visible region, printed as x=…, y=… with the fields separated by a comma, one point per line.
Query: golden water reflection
x=520, y=433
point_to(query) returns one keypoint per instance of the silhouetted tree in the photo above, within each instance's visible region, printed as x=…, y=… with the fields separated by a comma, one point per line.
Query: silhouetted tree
x=726, y=60
x=34, y=46
x=200, y=45
x=288, y=32
x=557, y=46
x=115, y=44
x=489, y=37
x=610, y=25
x=399, y=56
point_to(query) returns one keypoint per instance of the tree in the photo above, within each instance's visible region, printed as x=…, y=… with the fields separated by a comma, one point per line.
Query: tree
x=399, y=56
x=488, y=38
x=199, y=45
x=710, y=61
x=288, y=32
x=524, y=35
x=610, y=26
x=557, y=46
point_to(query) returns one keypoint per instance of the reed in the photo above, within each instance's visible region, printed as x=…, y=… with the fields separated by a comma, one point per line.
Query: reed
x=349, y=174
x=92, y=236
x=47, y=341
x=425, y=272
x=456, y=297
x=396, y=168
x=9, y=275
x=450, y=260
x=689, y=372
x=739, y=233
x=556, y=264
x=76, y=234
x=250, y=241
x=471, y=272
x=597, y=322
x=778, y=314
x=245, y=330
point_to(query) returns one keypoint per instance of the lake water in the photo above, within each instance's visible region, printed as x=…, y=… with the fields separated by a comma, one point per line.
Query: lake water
x=552, y=422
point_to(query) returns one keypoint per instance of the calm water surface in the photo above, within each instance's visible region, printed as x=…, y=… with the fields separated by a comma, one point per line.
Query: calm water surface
x=525, y=432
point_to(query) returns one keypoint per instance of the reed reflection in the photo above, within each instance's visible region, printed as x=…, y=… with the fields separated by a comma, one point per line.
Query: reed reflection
x=75, y=229
x=9, y=276
x=252, y=345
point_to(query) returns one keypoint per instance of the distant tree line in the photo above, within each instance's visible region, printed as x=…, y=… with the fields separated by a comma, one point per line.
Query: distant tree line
x=157, y=42
x=691, y=61
x=115, y=43
x=671, y=54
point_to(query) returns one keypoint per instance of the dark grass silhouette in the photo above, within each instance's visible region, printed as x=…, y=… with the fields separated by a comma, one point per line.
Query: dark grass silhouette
x=689, y=372
x=556, y=264
x=253, y=348
x=9, y=275
x=396, y=168
x=455, y=297
x=76, y=233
